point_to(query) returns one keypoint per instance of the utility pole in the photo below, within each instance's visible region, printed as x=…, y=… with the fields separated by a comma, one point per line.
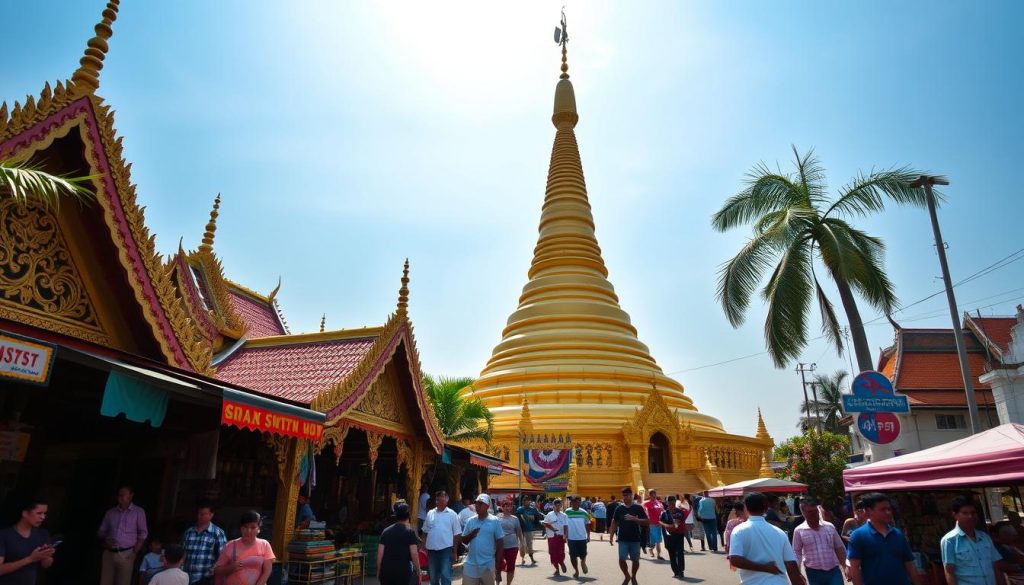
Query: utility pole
x=802, y=368
x=927, y=181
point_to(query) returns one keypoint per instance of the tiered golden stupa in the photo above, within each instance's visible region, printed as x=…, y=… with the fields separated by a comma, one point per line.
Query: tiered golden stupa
x=570, y=362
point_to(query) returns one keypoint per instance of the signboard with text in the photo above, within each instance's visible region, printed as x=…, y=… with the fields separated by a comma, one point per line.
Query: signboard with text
x=853, y=403
x=25, y=361
x=254, y=418
x=880, y=428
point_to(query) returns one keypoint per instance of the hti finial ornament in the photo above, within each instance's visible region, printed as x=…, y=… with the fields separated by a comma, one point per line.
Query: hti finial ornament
x=562, y=38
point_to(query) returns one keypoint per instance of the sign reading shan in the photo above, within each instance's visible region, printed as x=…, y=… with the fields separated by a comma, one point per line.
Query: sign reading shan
x=247, y=415
x=25, y=361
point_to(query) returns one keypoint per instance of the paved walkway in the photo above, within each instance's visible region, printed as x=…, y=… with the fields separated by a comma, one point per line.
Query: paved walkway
x=602, y=560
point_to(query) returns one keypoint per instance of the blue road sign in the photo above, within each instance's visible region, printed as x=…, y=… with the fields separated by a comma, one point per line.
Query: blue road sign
x=871, y=383
x=854, y=403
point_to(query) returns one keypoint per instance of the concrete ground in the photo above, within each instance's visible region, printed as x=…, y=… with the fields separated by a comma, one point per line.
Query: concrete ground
x=603, y=564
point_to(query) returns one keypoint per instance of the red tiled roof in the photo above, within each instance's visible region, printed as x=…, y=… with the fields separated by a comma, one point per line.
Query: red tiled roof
x=937, y=371
x=947, y=398
x=296, y=371
x=996, y=329
x=260, y=316
x=888, y=364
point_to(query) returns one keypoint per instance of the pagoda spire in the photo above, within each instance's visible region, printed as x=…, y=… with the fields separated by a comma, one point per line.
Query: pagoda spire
x=211, y=227
x=88, y=73
x=323, y=322
x=403, y=293
x=762, y=431
x=569, y=340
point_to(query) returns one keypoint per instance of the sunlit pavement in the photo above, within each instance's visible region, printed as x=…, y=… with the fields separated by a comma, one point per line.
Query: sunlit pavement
x=603, y=564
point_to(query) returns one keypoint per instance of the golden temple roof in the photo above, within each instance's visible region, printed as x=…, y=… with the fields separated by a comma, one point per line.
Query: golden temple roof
x=569, y=341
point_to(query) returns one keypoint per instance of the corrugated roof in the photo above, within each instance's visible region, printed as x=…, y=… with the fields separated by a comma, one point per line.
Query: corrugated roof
x=295, y=371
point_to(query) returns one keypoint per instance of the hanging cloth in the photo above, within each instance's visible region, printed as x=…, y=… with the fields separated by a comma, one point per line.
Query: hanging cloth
x=137, y=400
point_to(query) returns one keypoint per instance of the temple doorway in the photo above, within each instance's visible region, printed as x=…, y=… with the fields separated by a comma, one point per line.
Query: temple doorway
x=658, y=455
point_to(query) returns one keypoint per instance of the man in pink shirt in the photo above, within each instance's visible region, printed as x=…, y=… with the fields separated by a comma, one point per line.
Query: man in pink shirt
x=654, y=509
x=819, y=547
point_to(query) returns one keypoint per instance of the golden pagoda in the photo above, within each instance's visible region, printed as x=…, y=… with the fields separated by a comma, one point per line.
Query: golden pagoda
x=570, y=362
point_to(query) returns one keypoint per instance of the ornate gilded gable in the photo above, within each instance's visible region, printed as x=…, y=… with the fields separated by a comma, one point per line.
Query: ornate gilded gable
x=384, y=400
x=39, y=282
x=653, y=416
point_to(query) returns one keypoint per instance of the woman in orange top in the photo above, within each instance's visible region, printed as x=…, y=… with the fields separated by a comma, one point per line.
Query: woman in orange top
x=247, y=560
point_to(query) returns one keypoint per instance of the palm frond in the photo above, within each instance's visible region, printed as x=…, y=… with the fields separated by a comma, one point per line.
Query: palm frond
x=867, y=193
x=812, y=178
x=460, y=416
x=788, y=294
x=23, y=182
x=739, y=277
x=829, y=323
x=766, y=192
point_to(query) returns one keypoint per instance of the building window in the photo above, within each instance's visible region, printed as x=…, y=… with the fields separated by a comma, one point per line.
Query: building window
x=950, y=422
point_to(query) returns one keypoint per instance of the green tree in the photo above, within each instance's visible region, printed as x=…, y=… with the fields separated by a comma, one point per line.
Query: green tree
x=460, y=417
x=827, y=405
x=795, y=222
x=817, y=460
x=23, y=181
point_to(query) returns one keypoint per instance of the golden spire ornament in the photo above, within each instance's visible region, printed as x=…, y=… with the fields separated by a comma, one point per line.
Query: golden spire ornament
x=211, y=227
x=403, y=293
x=323, y=322
x=88, y=73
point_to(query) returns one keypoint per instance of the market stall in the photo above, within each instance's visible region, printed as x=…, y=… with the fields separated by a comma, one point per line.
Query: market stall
x=923, y=484
x=763, y=485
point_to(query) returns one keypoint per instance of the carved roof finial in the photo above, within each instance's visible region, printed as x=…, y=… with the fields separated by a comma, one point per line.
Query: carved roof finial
x=762, y=431
x=403, y=293
x=88, y=73
x=562, y=38
x=211, y=227
x=273, y=294
x=323, y=322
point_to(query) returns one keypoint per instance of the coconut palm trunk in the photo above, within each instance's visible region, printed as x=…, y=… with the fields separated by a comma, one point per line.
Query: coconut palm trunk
x=860, y=339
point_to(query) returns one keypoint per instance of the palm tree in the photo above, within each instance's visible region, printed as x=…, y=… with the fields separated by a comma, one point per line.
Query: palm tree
x=460, y=418
x=795, y=222
x=827, y=405
x=23, y=181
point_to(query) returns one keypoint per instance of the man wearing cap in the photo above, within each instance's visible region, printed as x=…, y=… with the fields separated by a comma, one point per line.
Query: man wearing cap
x=485, y=537
x=629, y=518
x=579, y=535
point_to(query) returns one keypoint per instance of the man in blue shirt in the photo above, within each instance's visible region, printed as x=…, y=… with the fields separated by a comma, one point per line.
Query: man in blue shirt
x=968, y=556
x=487, y=537
x=879, y=554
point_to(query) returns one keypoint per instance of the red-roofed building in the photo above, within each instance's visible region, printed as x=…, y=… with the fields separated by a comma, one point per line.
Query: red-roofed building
x=1003, y=338
x=158, y=372
x=924, y=366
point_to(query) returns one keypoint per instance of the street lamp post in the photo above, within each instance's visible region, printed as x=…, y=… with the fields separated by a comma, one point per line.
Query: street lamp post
x=927, y=181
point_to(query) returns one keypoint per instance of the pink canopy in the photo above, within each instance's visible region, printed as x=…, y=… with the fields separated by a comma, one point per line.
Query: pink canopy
x=992, y=458
x=763, y=485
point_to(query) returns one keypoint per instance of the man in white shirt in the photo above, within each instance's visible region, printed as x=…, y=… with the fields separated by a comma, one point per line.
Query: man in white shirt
x=444, y=531
x=760, y=551
x=556, y=530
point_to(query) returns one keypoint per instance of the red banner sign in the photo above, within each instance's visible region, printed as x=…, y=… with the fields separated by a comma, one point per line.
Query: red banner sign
x=24, y=360
x=259, y=419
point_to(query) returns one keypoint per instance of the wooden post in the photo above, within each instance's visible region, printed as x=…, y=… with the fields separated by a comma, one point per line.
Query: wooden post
x=289, y=452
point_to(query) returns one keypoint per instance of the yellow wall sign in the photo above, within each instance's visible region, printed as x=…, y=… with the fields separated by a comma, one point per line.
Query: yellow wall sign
x=25, y=360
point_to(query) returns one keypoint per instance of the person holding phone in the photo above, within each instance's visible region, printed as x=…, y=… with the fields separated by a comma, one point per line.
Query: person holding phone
x=25, y=547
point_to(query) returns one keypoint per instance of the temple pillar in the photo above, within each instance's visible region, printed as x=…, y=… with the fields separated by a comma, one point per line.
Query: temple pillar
x=288, y=451
x=637, y=455
x=415, y=478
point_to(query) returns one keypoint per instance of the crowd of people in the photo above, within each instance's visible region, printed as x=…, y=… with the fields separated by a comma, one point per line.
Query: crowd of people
x=867, y=548
x=494, y=534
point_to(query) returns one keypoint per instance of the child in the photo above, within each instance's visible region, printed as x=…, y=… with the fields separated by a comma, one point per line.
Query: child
x=172, y=573
x=153, y=562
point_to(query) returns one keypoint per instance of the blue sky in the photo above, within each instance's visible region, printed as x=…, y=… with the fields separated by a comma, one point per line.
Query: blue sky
x=345, y=137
